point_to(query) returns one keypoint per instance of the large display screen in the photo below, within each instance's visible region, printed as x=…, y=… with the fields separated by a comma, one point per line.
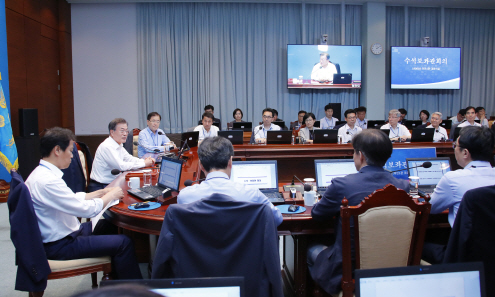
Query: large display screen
x=323, y=66
x=425, y=68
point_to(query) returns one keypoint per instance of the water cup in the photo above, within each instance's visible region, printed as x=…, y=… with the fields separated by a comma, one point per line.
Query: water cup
x=309, y=198
x=147, y=177
x=413, y=185
x=133, y=182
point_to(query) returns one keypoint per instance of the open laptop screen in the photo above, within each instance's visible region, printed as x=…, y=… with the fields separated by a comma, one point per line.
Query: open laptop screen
x=460, y=279
x=260, y=174
x=428, y=176
x=326, y=170
x=170, y=171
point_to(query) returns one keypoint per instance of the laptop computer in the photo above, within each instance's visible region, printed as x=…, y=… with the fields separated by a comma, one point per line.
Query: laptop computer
x=190, y=137
x=325, y=136
x=260, y=174
x=278, y=137
x=374, y=124
x=281, y=124
x=342, y=78
x=339, y=123
x=447, y=124
x=457, y=131
x=189, y=287
x=428, y=177
x=317, y=124
x=235, y=136
x=244, y=126
x=412, y=124
x=422, y=135
x=386, y=131
x=328, y=169
x=168, y=181
x=457, y=279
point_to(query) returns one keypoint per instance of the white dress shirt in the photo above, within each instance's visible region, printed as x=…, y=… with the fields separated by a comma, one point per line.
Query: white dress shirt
x=219, y=182
x=326, y=123
x=261, y=133
x=454, y=120
x=56, y=206
x=483, y=123
x=400, y=131
x=453, y=185
x=323, y=74
x=346, y=133
x=111, y=155
x=204, y=134
x=467, y=124
x=440, y=133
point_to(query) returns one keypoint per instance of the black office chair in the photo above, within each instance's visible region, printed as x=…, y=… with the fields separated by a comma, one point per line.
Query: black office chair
x=219, y=237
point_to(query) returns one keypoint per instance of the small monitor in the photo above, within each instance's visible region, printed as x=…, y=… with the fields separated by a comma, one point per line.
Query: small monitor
x=422, y=135
x=170, y=172
x=260, y=174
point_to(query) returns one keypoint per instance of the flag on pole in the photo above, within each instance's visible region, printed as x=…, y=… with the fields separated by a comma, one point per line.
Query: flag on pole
x=8, y=150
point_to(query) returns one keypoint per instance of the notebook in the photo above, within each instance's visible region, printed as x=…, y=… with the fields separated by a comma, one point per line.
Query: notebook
x=281, y=124
x=189, y=287
x=328, y=169
x=428, y=177
x=412, y=124
x=458, y=279
x=168, y=180
x=235, y=136
x=422, y=135
x=342, y=78
x=374, y=124
x=278, y=137
x=447, y=124
x=325, y=136
x=260, y=174
x=190, y=137
x=244, y=126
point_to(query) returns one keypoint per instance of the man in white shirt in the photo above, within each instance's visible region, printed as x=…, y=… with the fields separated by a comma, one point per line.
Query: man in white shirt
x=323, y=72
x=361, y=122
x=112, y=155
x=207, y=129
x=350, y=129
x=440, y=132
x=470, y=117
x=473, y=151
x=459, y=118
x=328, y=122
x=57, y=209
x=481, y=116
x=397, y=131
x=261, y=130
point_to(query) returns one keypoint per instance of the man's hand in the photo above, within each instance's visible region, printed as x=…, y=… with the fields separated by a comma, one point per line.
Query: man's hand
x=149, y=162
x=116, y=193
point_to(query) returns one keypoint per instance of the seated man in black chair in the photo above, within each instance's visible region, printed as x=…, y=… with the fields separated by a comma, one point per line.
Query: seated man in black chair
x=372, y=149
x=57, y=209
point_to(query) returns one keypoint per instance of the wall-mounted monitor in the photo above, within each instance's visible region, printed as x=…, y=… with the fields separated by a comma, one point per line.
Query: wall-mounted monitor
x=426, y=68
x=323, y=66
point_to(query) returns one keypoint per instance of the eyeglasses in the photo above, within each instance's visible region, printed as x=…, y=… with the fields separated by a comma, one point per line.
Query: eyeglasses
x=351, y=118
x=124, y=131
x=267, y=117
x=309, y=120
x=155, y=122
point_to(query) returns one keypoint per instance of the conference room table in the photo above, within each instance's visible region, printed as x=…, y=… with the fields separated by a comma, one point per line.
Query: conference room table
x=296, y=228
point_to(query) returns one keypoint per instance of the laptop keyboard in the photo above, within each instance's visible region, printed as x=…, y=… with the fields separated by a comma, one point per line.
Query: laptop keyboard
x=153, y=191
x=273, y=195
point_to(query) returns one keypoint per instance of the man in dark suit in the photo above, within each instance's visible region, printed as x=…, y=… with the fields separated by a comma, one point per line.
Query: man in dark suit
x=372, y=149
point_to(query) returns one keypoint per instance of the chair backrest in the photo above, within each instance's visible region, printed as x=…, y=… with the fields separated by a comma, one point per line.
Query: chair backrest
x=219, y=237
x=389, y=229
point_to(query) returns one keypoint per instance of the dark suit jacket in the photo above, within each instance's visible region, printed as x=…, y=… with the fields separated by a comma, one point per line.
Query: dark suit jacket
x=327, y=270
x=217, y=237
x=472, y=237
x=32, y=265
x=74, y=175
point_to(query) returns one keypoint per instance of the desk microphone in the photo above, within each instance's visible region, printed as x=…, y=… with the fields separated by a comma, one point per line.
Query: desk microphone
x=307, y=187
x=116, y=171
x=426, y=164
x=189, y=182
x=443, y=138
x=254, y=137
x=145, y=147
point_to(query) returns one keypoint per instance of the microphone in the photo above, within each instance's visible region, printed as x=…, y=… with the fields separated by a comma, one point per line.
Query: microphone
x=145, y=147
x=254, y=137
x=189, y=182
x=116, y=171
x=160, y=133
x=426, y=164
x=443, y=138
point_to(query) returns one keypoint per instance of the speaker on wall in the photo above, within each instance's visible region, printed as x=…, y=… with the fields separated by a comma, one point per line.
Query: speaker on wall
x=28, y=122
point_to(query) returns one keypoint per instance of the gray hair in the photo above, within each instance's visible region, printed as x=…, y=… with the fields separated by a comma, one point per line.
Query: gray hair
x=437, y=113
x=394, y=112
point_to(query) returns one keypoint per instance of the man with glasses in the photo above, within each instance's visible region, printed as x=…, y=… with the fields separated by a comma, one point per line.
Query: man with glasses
x=440, y=132
x=473, y=151
x=153, y=138
x=350, y=129
x=260, y=131
x=112, y=155
x=397, y=131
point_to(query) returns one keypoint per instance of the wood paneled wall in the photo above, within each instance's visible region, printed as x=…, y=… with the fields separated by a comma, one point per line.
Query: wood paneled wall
x=40, y=61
